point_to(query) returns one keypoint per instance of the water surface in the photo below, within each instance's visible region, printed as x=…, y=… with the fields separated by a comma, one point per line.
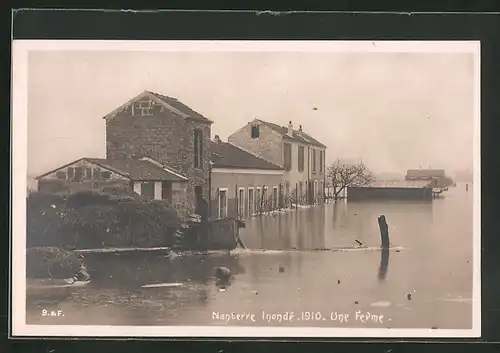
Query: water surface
x=425, y=283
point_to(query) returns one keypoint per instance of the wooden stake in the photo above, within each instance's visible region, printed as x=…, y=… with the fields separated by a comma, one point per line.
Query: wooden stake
x=384, y=232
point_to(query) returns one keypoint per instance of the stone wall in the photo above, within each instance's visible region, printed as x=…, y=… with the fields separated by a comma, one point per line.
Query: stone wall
x=165, y=137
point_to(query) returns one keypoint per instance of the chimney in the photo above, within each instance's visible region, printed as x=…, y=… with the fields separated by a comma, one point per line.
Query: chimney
x=290, y=128
x=300, y=128
x=217, y=139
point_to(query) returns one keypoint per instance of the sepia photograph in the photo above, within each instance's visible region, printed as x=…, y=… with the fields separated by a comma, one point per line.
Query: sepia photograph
x=246, y=189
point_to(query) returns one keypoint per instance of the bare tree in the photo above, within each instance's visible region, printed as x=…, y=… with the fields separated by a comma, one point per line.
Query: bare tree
x=340, y=175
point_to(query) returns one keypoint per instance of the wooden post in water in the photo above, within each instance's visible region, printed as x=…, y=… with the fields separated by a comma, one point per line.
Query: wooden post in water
x=466, y=187
x=384, y=232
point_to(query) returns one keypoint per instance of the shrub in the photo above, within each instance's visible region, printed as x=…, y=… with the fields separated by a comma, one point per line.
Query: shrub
x=52, y=262
x=95, y=220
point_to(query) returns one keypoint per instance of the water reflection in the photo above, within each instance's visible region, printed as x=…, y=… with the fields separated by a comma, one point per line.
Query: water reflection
x=384, y=264
x=308, y=229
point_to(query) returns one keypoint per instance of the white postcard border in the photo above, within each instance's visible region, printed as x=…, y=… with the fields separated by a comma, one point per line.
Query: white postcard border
x=20, y=50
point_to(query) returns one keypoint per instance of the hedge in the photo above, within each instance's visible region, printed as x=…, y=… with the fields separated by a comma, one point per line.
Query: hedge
x=98, y=220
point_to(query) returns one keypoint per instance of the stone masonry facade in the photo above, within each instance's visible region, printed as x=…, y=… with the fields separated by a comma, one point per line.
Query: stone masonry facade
x=146, y=128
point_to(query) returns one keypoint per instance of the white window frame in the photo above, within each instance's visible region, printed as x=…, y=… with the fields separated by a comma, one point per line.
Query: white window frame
x=248, y=201
x=218, y=201
x=241, y=212
x=275, y=202
x=257, y=199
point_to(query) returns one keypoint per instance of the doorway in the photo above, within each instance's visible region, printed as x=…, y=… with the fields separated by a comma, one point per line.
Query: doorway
x=200, y=203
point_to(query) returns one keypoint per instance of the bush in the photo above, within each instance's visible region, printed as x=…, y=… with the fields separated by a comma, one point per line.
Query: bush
x=52, y=262
x=96, y=220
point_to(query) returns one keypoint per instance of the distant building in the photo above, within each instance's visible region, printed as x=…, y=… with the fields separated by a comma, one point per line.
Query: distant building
x=144, y=177
x=437, y=176
x=301, y=156
x=242, y=184
x=168, y=131
x=391, y=190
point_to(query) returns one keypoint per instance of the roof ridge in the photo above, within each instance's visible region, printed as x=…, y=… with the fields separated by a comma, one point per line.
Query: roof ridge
x=301, y=134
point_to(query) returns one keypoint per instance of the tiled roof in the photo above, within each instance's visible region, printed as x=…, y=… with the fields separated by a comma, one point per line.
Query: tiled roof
x=181, y=106
x=425, y=173
x=137, y=170
x=226, y=155
x=297, y=135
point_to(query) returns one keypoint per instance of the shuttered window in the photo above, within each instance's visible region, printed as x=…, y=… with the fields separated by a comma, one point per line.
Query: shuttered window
x=287, y=156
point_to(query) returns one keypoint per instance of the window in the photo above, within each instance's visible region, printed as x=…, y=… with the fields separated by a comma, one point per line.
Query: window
x=78, y=174
x=241, y=202
x=61, y=174
x=222, y=202
x=301, y=158
x=147, y=190
x=198, y=149
x=287, y=156
x=144, y=108
x=321, y=161
x=275, y=197
x=105, y=175
x=88, y=173
x=258, y=198
x=264, y=198
x=251, y=202
x=313, y=161
x=255, y=131
x=71, y=172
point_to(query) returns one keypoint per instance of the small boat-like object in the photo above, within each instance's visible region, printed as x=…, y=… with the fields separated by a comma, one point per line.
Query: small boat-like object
x=218, y=234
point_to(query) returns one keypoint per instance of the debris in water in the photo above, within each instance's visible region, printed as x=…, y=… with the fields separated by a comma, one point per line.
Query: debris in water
x=254, y=292
x=356, y=302
x=434, y=328
x=381, y=304
x=358, y=242
x=338, y=281
x=222, y=289
x=160, y=285
x=222, y=273
x=281, y=269
x=408, y=296
x=398, y=250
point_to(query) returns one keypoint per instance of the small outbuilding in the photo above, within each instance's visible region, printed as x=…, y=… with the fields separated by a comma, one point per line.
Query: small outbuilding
x=144, y=176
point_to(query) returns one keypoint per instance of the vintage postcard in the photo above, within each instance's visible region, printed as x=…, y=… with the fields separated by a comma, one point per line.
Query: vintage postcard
x=246, y=189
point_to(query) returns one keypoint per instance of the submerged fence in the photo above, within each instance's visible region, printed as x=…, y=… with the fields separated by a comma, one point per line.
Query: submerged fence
x=245, y=202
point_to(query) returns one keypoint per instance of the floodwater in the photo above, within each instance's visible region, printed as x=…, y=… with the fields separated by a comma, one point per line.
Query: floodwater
x=424, y=281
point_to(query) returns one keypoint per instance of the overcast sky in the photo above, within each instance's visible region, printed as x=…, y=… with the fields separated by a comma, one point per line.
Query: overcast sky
x=394, y=110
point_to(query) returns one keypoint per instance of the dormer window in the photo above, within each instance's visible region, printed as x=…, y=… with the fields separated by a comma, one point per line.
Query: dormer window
x=255, y=131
